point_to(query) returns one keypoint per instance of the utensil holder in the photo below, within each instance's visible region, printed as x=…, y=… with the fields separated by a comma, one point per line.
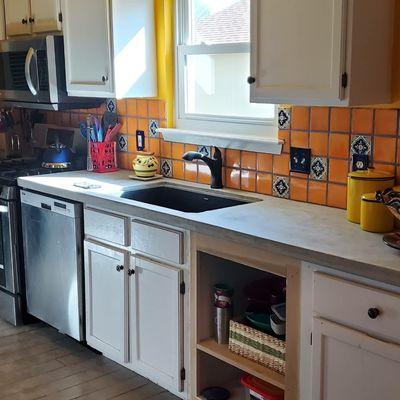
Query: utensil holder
x=104, y=156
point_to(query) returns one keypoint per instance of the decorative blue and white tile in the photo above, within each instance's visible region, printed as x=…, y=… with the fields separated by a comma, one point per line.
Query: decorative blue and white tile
x=153, y=126
x=319, y=168
x=111, y=105
x=360, y=145
x=281, y=187
x=205, y=150
x=123, y=143
x=166, y=168
x=284, y=117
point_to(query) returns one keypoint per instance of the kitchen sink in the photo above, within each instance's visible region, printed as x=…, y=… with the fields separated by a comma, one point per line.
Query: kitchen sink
x=185, y=200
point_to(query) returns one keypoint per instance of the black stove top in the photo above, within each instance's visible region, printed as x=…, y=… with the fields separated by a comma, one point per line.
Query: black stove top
x=12, y=169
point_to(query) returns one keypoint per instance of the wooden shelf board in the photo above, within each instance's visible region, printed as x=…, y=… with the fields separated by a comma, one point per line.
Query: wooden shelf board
x=221, y=351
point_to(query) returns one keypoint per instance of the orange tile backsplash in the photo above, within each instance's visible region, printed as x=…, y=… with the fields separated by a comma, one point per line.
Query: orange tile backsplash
x=333, y=134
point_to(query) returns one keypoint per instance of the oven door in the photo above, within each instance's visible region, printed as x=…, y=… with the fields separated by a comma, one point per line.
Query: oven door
x=24, y=70
x=9, y=256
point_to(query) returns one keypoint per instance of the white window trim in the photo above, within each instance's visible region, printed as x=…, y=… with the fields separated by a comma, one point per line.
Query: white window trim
x=250, y=131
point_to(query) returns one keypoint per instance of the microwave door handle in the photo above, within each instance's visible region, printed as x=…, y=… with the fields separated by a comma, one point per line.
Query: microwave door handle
x=28, y=61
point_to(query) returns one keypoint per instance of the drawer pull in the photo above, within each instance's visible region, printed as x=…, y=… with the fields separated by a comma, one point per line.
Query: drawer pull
x=119, y=268
x=131, y=272
x=373, y=313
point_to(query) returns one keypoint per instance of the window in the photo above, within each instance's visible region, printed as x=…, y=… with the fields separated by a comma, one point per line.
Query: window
x=213, y=64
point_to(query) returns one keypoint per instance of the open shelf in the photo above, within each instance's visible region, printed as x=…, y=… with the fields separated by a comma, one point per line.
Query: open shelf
x=221, y=352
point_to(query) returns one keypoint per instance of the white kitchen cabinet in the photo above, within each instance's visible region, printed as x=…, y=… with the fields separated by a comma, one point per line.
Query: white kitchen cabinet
x=17, y=14
x=348, y=364
x=321, y=52
x=110, y=48
x=156, y=322
x=106, y=285
x=46, y=16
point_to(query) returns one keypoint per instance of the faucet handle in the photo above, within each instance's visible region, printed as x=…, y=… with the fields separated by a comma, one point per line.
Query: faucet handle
x=217, y=153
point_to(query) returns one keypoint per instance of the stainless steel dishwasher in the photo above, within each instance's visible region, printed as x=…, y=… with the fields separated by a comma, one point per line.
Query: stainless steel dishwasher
x=52, y=237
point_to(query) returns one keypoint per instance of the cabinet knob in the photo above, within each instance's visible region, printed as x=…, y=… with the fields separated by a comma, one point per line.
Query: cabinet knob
x=131, y=272
x=31, y=20
x=119, y=268
x=373, y=313
x=104, y=78
x=251, y=80
x=24, y=21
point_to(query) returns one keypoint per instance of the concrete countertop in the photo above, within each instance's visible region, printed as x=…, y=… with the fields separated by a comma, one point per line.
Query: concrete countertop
x=311, y=233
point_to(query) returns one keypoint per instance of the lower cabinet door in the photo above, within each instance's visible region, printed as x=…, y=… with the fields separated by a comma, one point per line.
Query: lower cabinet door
x=348, y=364
x=106, y=287
x=156, y=322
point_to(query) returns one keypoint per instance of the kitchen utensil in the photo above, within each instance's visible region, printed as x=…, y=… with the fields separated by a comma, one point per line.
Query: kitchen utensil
x=222, y=318
x=109, y=119
x=260, y=390
x=362, y=182
x=375, y=216
x=223, y=295
x=112, y=133
x=57, y=156
x=215, y=393
x=277, y=325
x=260, y=321
x=89, y=161
x=145, y=165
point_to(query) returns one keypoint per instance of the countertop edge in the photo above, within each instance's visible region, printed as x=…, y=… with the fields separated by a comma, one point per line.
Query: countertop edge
x=371, y=271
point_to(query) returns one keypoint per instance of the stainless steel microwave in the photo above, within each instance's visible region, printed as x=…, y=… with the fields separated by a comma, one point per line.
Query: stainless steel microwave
x=32, y=75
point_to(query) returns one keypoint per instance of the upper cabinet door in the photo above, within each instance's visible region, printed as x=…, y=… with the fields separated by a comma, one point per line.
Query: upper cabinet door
x=45, y=15
x=156, y=322
x=88, y=49
x=298, y=49
x=17, y=14
x=318, y=52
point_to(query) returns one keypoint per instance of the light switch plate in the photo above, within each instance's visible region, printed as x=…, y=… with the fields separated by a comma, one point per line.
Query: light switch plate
x=300, y=160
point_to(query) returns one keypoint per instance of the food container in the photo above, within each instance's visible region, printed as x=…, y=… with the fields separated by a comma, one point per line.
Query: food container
x=223, y=295
x=258, y=389
x=145, y=165
x=362, y=182
x=375, y=216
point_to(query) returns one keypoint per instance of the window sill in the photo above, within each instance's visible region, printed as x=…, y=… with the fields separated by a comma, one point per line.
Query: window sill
x=223, y=140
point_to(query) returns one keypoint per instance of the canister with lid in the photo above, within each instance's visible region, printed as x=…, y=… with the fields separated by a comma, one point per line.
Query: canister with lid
x=375, y=216
x=362, y=182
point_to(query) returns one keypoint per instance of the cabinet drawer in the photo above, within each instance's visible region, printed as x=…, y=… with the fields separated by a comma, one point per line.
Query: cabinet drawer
x=350, y=303
x=157, y=241
x=105, y=226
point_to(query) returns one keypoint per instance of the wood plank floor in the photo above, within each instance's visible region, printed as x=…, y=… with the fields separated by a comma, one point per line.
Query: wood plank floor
x=36, y=362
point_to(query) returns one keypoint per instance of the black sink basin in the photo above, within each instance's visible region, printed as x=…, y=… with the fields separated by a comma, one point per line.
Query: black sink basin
x=181, y=199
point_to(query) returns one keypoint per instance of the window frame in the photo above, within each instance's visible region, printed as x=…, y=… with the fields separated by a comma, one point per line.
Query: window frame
x=250, y=126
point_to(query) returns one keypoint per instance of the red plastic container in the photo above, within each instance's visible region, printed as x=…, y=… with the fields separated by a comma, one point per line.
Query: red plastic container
x=260, y=390
x=104, y=156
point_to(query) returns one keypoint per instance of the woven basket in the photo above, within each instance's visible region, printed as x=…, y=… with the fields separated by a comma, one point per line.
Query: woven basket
x=257, y=346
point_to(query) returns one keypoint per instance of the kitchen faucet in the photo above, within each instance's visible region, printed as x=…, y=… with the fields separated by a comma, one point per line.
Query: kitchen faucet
x=215, y=165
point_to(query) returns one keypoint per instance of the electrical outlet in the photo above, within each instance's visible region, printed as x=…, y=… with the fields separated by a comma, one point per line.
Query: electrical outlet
x=140, y=145
x=300, y=160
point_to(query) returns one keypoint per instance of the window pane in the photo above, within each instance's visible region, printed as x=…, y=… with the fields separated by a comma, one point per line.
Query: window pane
x=217, y=85
x=220, y=21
